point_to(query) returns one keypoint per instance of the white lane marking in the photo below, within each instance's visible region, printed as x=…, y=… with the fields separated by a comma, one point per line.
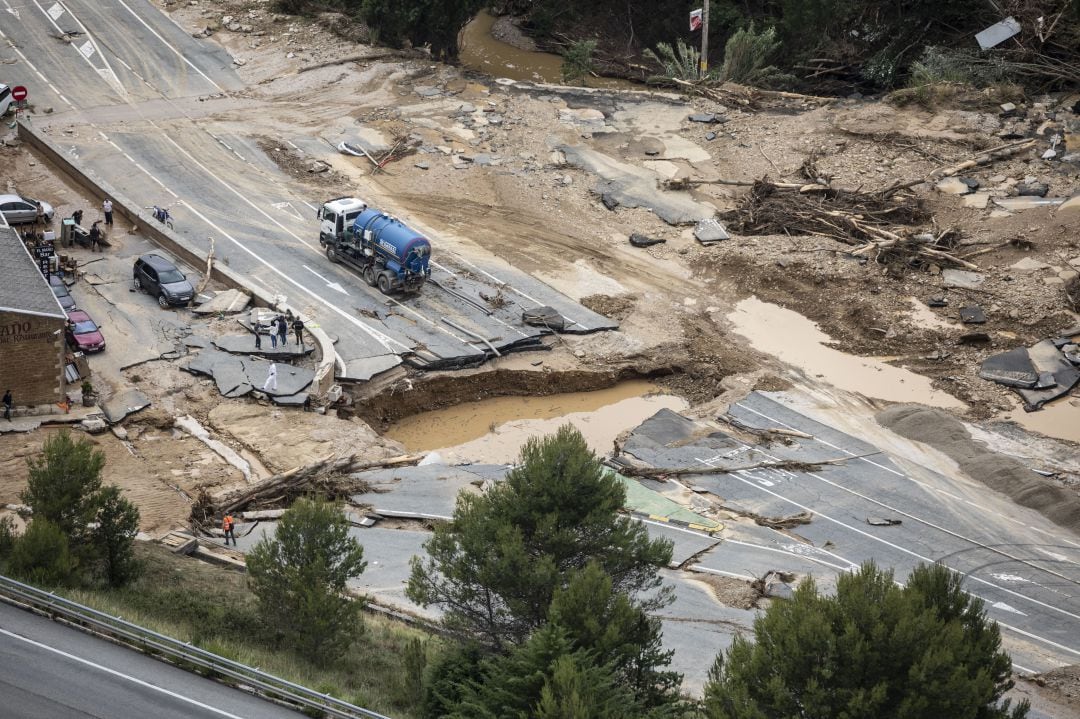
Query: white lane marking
x=851, y=566
x=904, y=550
x=121, y=675
x=301, y=240
x=1007, y=608
x=168, y=45
x=287, y=207
x=505, y=284
x=88, y=49
x=912, y=479
x=332, y=285
x=379, y=337
x=1037, y=637
x=31, y=65
x=56, y=11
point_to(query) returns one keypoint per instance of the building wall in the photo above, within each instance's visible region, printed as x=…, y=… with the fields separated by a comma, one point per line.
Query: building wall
x=32, y=358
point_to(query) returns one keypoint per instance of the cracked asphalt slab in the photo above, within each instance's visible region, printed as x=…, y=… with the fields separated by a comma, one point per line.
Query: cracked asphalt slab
x=1025, y=569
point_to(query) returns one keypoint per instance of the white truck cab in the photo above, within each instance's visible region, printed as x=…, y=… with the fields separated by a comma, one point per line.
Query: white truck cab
x=336, y=216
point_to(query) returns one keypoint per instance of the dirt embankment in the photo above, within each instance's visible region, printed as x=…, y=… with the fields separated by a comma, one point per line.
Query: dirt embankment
x=997, y=471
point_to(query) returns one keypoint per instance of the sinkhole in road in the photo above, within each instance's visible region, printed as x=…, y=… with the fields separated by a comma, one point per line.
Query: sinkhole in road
x=494, y=429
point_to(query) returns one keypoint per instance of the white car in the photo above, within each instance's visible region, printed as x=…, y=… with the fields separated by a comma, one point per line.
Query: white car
x=17, y=209
x=6, y=100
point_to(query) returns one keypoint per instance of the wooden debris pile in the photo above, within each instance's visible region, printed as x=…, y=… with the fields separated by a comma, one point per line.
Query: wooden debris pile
x=330, y=477
x=849, y=216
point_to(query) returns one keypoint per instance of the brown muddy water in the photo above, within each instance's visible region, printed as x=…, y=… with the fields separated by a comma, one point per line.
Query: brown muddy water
x=481, y=52
x=799, y=342
x=494, y=430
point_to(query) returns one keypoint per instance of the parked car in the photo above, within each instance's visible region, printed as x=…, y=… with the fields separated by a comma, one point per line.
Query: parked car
x=61, y=291
x=83, y=333
x=16, y=209
x=6, y=100
x=159, y=277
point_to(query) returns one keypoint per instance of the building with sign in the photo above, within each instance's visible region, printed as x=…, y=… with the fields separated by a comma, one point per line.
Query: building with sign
x=31, y=328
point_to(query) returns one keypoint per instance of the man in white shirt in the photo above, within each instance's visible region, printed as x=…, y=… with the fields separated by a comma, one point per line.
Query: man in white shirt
x=106, y=207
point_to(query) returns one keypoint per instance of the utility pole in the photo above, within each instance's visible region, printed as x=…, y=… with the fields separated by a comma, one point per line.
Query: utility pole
x=705, y=40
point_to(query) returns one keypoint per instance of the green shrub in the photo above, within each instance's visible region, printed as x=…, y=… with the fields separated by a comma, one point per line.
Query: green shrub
x=41, y=554
x=7, y=535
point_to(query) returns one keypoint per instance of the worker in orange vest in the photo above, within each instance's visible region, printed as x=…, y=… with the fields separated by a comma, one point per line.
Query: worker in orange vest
x=227, y=525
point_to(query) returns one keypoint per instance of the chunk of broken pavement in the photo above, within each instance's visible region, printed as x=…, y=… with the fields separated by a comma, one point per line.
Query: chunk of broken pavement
x=706, y=117
x=1012, y=369
x=94, y=425
x=961, y=279
x=710, y=230
x=972, y=315
x=1032, y=189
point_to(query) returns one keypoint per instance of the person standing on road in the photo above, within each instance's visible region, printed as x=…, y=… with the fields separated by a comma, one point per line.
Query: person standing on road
x=39, y=220
x=282, y=330
x=106, y=207
x=298, y=328
x=273, y=332
x=258, y=334
x=95, y=236
x=228, y=526
x=8, y=403
x=271, y=378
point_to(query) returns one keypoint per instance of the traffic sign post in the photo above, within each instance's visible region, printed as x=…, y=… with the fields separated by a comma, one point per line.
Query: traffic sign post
x=18, y=94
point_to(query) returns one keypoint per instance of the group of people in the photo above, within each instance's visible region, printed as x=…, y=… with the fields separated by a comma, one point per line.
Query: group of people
x=278, y=329
x=96, y=234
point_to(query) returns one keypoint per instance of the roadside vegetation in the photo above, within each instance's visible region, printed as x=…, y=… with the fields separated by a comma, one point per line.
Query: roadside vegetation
x=80, y=532
x=828, y=46
x=213, y=608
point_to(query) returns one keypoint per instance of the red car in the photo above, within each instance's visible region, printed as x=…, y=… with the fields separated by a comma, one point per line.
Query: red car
x=83, y=333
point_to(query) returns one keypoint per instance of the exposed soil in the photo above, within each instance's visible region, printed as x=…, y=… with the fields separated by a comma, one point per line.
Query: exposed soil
x=731, y=592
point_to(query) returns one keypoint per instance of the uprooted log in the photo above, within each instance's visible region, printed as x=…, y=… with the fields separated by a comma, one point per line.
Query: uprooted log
x=281, y=488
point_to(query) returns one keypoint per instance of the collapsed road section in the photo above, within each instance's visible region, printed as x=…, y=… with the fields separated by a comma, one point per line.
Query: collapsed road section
x=470, y=310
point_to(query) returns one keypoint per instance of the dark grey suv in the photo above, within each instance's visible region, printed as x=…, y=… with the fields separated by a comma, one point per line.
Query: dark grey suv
x=159, y=277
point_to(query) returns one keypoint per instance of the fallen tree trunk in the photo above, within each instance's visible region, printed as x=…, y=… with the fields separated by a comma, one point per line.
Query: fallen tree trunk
x=292, y=481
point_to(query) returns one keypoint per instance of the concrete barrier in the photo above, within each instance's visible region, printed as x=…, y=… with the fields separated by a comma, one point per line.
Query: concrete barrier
x=189, y=253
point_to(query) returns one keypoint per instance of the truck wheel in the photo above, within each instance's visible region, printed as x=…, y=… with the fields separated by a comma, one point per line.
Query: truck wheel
x=331, y=253
x=385, y=286
x=369, y=275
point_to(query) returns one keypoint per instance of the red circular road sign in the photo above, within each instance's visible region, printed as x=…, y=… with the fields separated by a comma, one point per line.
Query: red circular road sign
x=18, y=92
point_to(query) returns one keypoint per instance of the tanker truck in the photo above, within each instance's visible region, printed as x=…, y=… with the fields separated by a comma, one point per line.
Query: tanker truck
x=387, y=253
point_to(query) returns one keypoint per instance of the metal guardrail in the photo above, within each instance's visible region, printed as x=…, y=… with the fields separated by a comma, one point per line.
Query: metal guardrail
x=181, y=653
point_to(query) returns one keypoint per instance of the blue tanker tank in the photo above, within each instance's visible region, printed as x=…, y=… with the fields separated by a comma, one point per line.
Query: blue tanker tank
x=397, y=256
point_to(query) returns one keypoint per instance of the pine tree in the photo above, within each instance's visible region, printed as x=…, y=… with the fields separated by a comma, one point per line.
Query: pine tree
x=496, y=567
x=114, y=536
x=300, y=578
x=64, y=483
x=873, y=650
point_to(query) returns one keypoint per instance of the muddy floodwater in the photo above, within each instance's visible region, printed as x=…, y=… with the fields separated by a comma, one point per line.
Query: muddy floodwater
x=798, y=341
x=493, y=430
x=483, y=53
x=1059, y=419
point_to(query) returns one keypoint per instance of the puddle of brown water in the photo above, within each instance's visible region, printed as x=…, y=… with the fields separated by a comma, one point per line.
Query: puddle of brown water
x=1059, y=419
x=798, y=341
x=481, y=52
x=494, y=430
